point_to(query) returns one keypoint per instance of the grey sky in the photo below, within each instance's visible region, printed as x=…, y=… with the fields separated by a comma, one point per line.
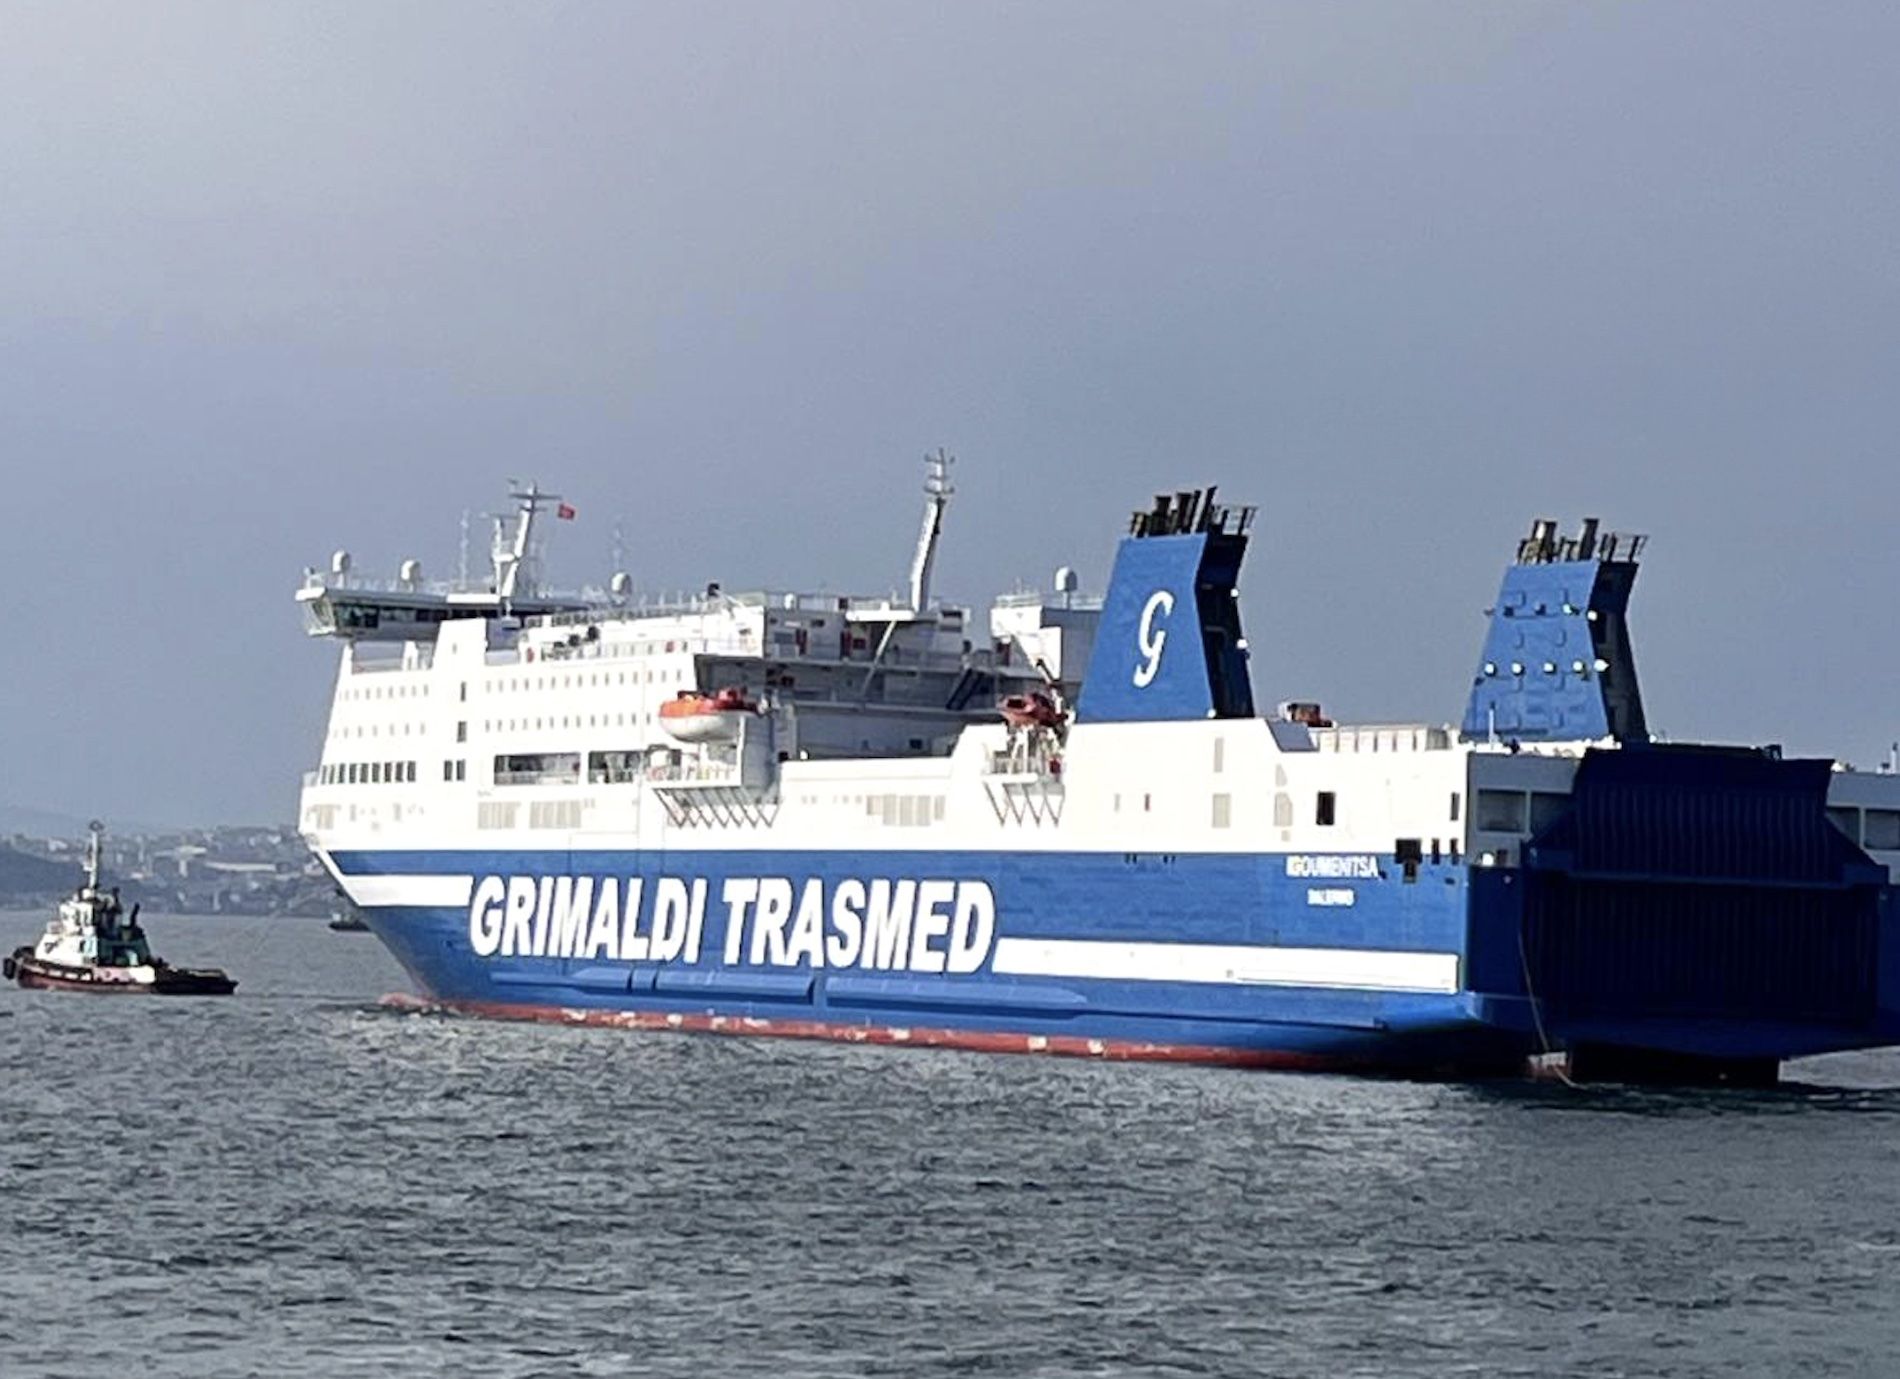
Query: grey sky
x=277, y=278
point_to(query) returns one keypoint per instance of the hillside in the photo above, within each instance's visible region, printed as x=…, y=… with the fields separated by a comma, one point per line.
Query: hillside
x=25, y=875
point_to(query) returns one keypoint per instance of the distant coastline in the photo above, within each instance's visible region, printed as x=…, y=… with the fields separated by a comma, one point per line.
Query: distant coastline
x=259, y=870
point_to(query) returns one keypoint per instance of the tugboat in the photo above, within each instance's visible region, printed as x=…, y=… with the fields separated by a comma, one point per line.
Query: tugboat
x=91, y=944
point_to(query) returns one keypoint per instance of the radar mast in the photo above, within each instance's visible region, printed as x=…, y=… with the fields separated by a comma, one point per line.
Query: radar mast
x=937, y=491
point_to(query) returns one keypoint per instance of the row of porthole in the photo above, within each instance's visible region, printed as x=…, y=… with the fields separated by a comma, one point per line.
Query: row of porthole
x=501, y=685
x=1550, y=667
x=625, y=720
x=375, y=729
x=387, y=692
x=597, y=679
x=366, y=773
x=1570, y=610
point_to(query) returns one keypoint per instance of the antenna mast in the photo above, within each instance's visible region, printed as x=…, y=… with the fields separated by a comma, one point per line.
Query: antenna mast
x=937, y=491
x=515, y=573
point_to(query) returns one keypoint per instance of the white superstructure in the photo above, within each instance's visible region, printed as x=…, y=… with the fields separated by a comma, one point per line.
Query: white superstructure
x=504, y=717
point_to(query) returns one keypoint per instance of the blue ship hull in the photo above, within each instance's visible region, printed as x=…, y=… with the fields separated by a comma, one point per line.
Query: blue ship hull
x=1215, y=903
x=1453, y=988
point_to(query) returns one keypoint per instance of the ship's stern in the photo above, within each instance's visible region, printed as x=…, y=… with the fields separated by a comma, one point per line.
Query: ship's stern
x=1690, y=914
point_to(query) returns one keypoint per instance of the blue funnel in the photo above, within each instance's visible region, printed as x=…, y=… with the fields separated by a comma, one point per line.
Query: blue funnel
x=1169, y=645
x=1557, y=664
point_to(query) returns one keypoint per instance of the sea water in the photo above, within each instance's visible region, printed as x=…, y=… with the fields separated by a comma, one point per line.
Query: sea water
x=298, y=1181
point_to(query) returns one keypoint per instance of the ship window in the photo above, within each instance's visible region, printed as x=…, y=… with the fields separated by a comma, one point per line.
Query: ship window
x=1223, y=811
x=613, y=768
x=1455, y=800
x=461, y=731
x=1501, y=811
x=464, y=691
x=1408, y=853
x=1438, y=854
x=1326, y=810
x=1882, y=829
x=448, y=770
x=1546, y=809
x=1282, y=810
x=538, y=768
x=1220, y=760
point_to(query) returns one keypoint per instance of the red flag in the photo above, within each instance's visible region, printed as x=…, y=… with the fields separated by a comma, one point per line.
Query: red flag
x=564, y=512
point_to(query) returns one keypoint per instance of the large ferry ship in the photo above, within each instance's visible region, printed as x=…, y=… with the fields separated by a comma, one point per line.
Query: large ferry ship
x=1066, y=827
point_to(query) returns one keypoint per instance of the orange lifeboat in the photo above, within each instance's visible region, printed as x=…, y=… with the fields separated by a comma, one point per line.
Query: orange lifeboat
x=695, y=717
x=1035, y=710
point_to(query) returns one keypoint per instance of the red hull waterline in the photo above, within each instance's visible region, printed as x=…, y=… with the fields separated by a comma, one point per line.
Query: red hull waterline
x=912, y=1036
x=39, y=981
x=34, y=978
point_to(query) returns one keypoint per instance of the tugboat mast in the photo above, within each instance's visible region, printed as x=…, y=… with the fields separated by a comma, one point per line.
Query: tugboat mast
x=96, y=832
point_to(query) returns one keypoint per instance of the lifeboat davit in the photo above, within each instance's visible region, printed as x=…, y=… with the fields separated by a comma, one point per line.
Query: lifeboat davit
x=1035, y=710
x=695, y=717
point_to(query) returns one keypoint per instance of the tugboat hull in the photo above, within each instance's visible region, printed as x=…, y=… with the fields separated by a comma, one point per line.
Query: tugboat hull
x=36, y=974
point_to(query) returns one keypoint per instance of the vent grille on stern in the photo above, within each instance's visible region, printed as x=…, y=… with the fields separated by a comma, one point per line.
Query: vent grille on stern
x=1700, y=883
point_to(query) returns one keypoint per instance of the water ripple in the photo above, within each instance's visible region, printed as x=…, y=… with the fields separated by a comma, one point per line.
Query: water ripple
x=301, y=1181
